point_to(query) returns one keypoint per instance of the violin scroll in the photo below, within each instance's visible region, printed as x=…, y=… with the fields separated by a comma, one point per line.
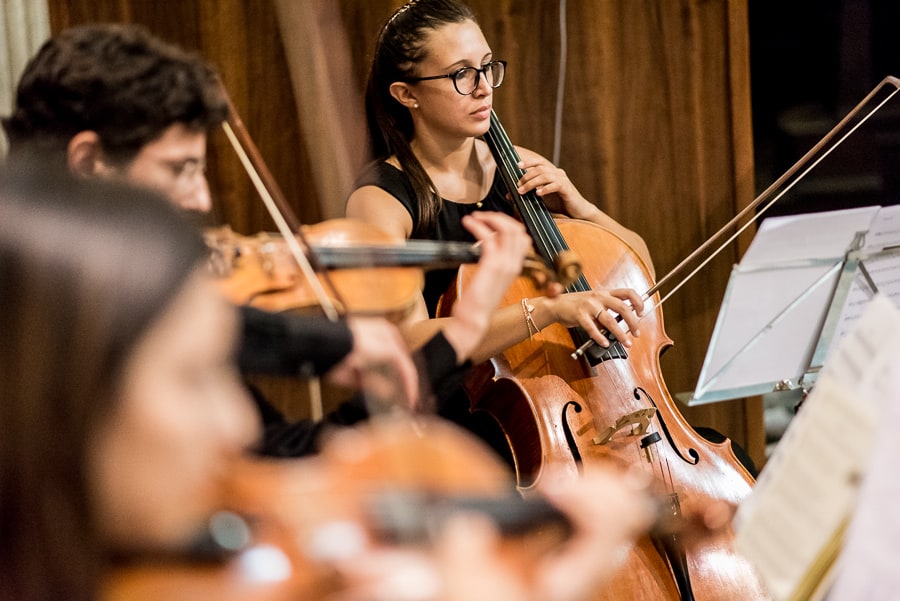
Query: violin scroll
x=566, y=269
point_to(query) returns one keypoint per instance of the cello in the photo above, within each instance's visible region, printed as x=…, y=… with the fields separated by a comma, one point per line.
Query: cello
x=609, y=405
x=671, y=555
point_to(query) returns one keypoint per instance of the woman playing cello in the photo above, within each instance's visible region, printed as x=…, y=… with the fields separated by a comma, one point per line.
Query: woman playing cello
x=429, y=107
x=428, y=99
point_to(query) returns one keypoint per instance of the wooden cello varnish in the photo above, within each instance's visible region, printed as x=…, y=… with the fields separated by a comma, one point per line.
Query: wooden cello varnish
x=569, y=415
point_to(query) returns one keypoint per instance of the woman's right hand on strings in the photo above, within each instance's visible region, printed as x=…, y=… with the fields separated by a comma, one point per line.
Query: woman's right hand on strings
x=596, y=311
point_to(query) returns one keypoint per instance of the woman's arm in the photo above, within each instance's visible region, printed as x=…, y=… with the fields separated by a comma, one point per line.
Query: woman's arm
x=561, y=196
x=506, y=326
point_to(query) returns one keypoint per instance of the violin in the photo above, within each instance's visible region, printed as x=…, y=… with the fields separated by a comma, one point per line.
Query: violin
x=336, y=257
x=369, y=272
x=390, y=483
x=294, y=529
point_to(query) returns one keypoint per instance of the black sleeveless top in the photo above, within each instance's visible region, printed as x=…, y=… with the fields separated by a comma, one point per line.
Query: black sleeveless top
x=449, y=220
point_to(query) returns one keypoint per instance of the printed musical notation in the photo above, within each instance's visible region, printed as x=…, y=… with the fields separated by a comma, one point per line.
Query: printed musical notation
x=878, y=271
x=832, y=468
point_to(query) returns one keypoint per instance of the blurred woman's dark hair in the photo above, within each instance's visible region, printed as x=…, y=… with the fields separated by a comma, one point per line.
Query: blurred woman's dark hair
x=86, y=267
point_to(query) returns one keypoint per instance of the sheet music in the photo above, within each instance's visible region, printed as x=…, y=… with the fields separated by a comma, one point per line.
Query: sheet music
x=802, y=498
x=867, y=568
x=793, y=238
x=884, y=231
x=810, y=485
x=857, y=359
x=884, y=269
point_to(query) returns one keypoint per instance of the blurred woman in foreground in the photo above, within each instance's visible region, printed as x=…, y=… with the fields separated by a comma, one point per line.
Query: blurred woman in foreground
x=121, y=408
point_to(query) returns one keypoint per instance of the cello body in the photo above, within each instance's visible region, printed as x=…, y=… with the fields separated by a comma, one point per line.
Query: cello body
x=560, y=414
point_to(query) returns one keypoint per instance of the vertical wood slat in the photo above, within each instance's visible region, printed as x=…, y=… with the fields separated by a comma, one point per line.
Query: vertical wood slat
x=744, y=169
x=329, y=102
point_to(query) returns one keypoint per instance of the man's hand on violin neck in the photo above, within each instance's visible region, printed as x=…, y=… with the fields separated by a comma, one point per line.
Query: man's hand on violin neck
x=379, y=363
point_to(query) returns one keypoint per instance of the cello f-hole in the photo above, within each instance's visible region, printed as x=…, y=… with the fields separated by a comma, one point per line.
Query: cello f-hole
x=570, y=436
x=640, y=393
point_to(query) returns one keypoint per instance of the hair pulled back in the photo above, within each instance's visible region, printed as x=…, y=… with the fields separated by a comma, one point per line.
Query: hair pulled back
x=398, y=51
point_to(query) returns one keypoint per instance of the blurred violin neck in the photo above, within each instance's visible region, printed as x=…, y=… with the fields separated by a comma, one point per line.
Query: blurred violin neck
x=415, y=253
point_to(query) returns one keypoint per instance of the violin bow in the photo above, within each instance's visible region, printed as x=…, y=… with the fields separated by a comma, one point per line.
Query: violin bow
x=276, y=204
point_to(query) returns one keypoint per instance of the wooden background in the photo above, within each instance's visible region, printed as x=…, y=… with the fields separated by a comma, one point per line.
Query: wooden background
x=656, y=125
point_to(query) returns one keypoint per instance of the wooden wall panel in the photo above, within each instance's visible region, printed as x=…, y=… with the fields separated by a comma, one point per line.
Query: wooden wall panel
x=656, y=123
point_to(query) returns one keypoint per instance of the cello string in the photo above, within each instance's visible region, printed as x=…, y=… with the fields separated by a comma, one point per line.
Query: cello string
x=545, y=234
x=532, y=210
x=616, y=377
x=508, y=165
x=540, y=221
x=671, y=483
x=542, y=226
x=678, y=571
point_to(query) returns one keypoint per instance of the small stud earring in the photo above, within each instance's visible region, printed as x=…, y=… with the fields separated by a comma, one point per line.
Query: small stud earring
x=416, y=105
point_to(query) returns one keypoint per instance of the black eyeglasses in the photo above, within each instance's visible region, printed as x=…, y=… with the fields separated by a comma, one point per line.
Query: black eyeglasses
x=466, y=79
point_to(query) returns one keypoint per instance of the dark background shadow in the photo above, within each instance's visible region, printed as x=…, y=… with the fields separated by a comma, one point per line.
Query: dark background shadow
x=811, y=62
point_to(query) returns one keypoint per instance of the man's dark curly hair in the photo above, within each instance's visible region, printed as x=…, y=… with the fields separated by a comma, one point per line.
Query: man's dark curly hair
x=116, y=80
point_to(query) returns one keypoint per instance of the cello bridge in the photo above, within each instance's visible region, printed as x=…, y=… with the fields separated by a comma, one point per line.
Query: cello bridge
x=638, y=420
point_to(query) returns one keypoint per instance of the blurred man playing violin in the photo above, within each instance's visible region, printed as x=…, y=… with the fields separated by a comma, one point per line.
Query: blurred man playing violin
x=112, y=101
